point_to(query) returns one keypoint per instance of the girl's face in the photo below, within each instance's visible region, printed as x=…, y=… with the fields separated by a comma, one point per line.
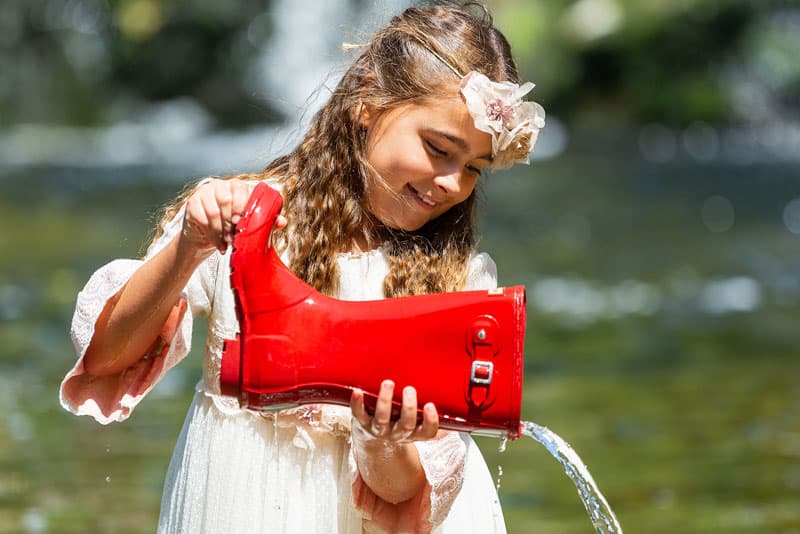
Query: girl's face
x=427, y=157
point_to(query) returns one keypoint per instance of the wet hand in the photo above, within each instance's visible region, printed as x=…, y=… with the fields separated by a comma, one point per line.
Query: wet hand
x=405, y=428
x=212, y=212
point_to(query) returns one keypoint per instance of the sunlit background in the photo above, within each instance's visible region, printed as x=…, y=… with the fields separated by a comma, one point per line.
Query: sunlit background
x=657, y=231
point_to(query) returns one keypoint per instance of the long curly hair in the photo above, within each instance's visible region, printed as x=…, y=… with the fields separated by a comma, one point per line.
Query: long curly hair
x=325, y=177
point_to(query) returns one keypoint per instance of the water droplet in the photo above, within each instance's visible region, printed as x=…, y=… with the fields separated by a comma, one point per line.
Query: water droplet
x=503, y=443
x=108, y=480
x=499, y=477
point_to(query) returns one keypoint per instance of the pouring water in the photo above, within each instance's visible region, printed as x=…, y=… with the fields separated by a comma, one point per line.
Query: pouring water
x=600, y=513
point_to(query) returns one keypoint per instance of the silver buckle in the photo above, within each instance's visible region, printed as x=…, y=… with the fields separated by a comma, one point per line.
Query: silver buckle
x=479, y=363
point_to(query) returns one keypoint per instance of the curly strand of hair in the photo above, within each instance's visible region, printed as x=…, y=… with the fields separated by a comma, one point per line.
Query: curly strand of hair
x=324, y=210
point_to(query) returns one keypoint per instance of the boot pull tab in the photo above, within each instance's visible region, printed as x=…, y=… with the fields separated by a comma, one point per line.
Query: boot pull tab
x=482, y=347
x=255, y=226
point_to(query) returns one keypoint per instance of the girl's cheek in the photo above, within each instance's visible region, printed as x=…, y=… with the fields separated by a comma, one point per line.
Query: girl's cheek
x=470, y=188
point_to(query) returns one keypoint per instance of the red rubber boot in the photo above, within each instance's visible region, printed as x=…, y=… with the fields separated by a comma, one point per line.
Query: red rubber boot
x=463, y=351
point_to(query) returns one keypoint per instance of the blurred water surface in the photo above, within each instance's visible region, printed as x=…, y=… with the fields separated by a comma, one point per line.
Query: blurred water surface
x=661, y=344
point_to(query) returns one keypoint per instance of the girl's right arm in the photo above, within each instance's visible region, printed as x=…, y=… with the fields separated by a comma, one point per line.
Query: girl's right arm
x=131, y=323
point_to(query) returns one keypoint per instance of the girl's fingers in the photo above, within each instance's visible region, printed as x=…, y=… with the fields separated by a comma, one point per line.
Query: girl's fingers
x=213, y=211
x=357, y=407
x=430, y=423
x=240, y=193
x=195, y=213
x=382, y=419
x=407, y=423
x=405, y=428
x=214, y=228
x=195, y=224
x=223, y=197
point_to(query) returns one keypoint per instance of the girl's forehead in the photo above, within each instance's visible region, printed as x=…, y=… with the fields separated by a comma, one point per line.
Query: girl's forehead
x=449, y=118
x=445, y=108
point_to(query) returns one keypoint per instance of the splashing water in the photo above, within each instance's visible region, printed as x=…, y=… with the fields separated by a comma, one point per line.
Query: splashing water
x=499, y=477
x=603, y=519
x=503, y=443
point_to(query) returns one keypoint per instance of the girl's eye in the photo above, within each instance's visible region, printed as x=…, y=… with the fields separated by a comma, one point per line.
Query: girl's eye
x=442, y=153
x=438, y=151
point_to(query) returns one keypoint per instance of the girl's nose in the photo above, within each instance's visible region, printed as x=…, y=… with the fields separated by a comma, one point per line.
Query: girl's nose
x=448, y=183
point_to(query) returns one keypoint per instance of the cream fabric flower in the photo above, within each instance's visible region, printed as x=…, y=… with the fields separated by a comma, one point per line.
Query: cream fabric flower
x=498, y=109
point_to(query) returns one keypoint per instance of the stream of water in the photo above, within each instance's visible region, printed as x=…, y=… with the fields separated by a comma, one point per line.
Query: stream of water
x=600, y=513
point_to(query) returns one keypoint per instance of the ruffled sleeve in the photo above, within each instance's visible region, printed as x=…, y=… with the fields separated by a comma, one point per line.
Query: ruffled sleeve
x=113, y=397
x=442, y=459
x=443, y=463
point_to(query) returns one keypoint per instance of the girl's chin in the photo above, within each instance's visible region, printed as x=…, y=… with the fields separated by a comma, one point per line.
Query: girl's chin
x=407, y=222
x=404, y=225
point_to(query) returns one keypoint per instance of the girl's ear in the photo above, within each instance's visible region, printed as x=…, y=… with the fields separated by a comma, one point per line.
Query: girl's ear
x=365, y=114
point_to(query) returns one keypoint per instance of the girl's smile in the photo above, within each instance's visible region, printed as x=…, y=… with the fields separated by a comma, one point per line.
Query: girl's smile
x=426, y=158
x=424, y=201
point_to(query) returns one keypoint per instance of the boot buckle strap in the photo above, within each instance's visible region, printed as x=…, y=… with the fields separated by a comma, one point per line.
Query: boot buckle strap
x=481, y=372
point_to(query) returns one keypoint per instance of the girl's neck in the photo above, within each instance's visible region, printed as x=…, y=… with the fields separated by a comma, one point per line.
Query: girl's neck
x=359, y=245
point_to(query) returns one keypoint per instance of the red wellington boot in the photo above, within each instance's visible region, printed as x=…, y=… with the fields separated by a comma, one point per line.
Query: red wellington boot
x=463, y=351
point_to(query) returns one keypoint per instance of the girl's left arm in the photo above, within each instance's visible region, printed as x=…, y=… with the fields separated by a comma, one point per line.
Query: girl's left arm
x=384, y=450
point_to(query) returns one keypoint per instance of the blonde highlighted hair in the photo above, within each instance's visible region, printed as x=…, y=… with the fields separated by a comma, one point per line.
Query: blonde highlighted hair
x=419, y=55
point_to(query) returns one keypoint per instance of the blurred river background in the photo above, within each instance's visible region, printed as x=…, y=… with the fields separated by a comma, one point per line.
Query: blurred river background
x=657, y=231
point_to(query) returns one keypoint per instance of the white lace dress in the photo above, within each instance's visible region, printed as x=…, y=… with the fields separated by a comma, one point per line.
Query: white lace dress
x=238, y=471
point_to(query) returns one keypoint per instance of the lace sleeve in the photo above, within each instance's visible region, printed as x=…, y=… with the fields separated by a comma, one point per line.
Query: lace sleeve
x=113, y=397
x=443, y=463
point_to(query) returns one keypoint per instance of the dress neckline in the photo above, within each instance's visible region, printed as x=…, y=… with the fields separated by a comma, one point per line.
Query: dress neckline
x=379, y=251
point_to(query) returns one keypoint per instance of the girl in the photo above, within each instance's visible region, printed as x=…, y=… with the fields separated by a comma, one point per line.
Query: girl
x=379, y=202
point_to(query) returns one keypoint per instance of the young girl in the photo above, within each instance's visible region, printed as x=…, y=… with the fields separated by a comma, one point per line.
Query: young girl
x=379, y=202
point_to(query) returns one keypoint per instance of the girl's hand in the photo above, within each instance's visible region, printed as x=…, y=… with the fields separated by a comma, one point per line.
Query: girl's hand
x=212, y=211
x=405, y=428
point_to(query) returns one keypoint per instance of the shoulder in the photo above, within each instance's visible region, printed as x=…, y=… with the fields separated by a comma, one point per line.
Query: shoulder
x=482, y=261
x=482, y=272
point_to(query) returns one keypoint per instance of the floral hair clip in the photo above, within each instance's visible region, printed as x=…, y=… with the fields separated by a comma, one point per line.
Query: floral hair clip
x=498, y=109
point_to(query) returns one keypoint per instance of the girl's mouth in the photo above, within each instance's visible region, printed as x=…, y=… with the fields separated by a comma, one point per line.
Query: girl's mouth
x=422, y=201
